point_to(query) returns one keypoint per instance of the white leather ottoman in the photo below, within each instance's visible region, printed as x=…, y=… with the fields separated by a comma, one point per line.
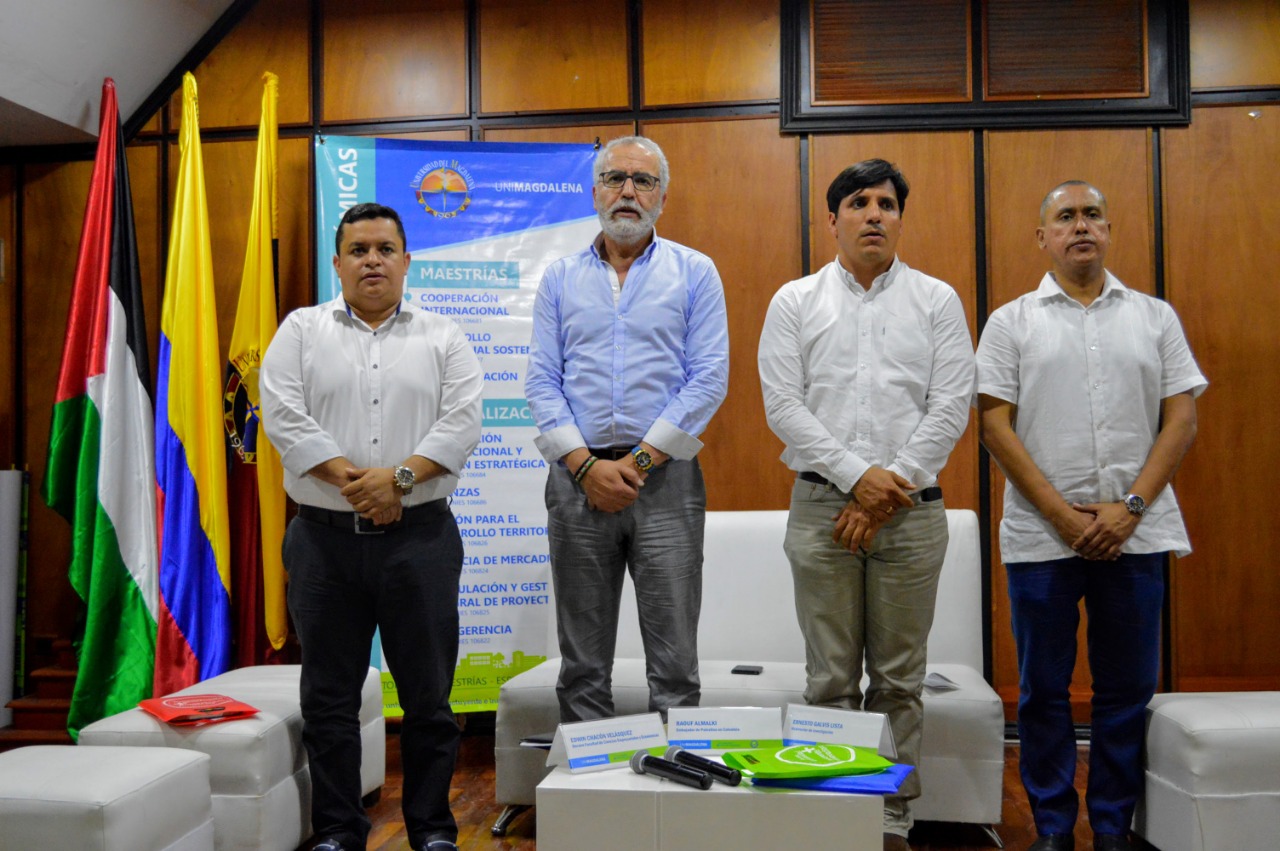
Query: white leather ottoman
x=1212, y=772
x=258, y=775
x=104, y=799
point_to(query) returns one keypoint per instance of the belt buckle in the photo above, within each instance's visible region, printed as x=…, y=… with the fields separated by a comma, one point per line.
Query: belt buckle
x=365, y=531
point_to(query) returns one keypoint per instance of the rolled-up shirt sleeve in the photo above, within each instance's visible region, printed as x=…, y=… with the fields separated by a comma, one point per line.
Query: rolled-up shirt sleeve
x=286, y=417
x=558, y=432
x=689, y=412
x=456, y=431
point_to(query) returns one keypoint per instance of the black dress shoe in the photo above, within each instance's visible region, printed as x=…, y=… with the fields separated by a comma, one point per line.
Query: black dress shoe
x=329, y=845
x=1054, y=842
x=440, y=845
x=1111, y=842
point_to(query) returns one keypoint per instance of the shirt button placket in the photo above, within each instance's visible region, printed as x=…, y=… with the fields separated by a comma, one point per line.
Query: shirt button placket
x=375, y=393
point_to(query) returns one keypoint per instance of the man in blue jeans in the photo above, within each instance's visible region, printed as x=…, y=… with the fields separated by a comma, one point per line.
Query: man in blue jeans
x=1087, y=396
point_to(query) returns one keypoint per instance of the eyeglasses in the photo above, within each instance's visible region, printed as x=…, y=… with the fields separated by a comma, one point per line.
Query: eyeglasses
x=617, y=179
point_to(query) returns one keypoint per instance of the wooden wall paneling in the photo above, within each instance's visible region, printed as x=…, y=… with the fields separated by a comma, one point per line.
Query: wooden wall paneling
x=1022, y=166
x=1026, y=57
x=457, y=134
x=54, y=197
x=877, y=51
x=9, y=410
x=1235, y=43
x=937, y=237
x=228, y=175
x=407, y=60
x=715, y=51
x=735, y=197
x=274, y=36
x=585, y=134
x=553, y=56
x=1221, y=218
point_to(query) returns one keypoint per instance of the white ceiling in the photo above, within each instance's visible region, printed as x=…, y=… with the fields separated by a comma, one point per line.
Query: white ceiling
x=54, y=55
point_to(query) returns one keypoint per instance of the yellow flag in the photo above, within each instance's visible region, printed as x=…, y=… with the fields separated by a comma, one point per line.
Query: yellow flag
x=257, y=536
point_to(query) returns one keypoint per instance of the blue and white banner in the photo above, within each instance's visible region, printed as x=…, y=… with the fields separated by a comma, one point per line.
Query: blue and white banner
x=483, y=221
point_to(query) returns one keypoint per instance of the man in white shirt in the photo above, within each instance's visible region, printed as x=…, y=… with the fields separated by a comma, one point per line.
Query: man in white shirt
x=1087, y=397
x=867, y=372
x=375, y=407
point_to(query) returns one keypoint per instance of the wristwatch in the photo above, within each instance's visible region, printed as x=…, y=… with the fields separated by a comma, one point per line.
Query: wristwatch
x=643, y=459
x=405, y=479
x=1135, y=504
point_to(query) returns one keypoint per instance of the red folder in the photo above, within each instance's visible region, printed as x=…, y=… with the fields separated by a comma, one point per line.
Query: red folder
x=189, y=710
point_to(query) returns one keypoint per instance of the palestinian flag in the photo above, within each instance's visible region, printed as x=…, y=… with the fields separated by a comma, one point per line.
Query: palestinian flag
x=100, y=474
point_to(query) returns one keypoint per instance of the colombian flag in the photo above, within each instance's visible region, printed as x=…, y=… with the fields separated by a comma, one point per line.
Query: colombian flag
x=193, y=641
x=257, y=478
x=100, y=475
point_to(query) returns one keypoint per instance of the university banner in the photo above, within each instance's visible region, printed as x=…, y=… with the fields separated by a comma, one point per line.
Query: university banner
x=483, y=221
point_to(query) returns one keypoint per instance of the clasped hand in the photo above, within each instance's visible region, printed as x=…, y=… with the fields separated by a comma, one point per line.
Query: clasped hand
x=612, y=485
x=1097, y=531
x=373, y=494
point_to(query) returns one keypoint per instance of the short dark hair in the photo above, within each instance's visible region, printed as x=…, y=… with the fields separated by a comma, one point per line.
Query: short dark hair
x=864, y=175
x=361, y=212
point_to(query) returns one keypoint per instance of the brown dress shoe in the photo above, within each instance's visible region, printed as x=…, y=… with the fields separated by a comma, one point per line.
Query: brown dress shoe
x=894, y=842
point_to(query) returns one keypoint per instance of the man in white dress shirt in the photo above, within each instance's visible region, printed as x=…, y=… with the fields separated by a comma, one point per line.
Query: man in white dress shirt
x=867, y=372
x=375, y=407
x=1087, y=397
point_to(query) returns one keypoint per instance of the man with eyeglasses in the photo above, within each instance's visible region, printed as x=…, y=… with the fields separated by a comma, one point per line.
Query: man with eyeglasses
x=867, y=371
x=629, y=361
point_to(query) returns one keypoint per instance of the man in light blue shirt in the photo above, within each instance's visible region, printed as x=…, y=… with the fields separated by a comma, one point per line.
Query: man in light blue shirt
x=629, y=361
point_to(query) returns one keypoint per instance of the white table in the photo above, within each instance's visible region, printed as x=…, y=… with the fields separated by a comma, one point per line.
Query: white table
x=624, y=811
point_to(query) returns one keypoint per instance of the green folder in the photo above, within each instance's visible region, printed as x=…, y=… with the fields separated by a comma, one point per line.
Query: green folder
x=815, y=760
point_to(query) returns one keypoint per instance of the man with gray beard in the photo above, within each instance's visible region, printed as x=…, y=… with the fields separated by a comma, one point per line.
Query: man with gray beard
x=629, y=361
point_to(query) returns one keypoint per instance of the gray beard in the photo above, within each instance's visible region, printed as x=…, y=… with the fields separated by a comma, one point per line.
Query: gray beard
x=628, y=231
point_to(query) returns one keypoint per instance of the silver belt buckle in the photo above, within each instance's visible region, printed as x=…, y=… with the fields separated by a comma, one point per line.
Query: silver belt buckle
x=357, y=518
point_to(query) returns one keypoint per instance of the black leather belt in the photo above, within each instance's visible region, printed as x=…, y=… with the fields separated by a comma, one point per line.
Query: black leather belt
x=927, y=495
x=611, y=453
x=357, y=525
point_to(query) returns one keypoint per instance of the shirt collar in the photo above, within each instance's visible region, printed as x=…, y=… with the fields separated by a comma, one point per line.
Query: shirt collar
x=599, y=241
x=1050, y=288
x=340, y=308
x=883, y=280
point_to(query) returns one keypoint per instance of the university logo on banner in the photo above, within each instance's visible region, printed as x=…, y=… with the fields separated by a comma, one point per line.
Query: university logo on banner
x=482, y=223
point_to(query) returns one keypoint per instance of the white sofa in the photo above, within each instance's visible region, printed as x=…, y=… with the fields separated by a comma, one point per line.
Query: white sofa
x=745, y=570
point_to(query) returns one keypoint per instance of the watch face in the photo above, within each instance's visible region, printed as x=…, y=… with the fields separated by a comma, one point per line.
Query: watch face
x=643, y=459
x=404, y=477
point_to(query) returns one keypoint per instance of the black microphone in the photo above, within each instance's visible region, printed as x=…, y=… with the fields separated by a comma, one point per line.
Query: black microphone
x=718, y=771
x=643, y=763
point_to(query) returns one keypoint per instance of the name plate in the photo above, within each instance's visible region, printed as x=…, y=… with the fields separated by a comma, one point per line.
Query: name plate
x=809, y=725
x=607, y=742
x=724, y=728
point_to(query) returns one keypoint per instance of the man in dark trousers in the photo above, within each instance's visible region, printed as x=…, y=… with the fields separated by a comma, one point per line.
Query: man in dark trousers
x=375, y=407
